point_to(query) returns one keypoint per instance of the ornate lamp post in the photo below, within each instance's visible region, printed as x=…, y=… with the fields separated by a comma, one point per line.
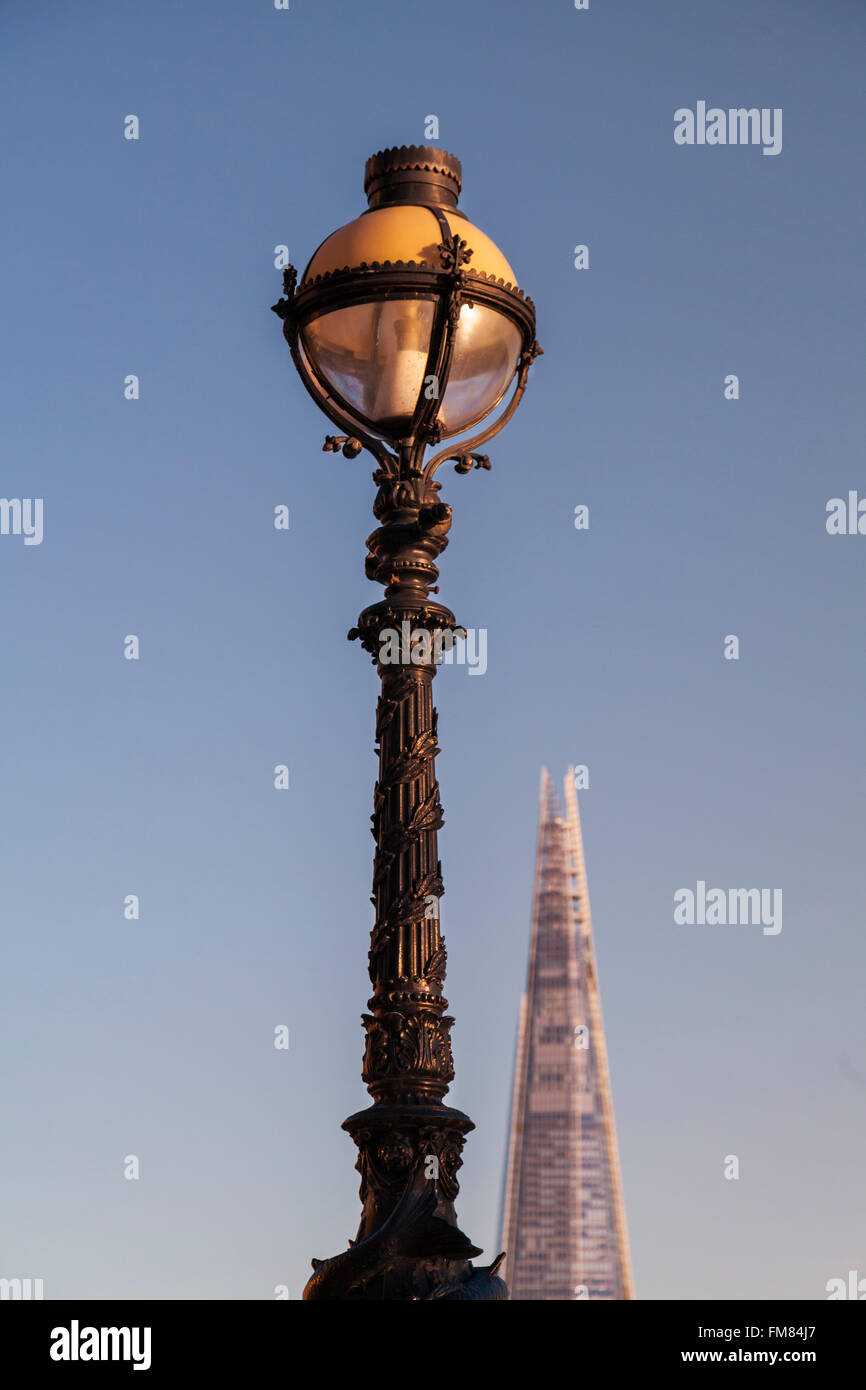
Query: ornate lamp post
x=404, y=345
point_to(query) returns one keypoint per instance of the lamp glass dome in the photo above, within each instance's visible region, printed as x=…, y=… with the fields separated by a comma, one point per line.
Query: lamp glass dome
x=486, y=349
x=375, y=356
x=373, y=349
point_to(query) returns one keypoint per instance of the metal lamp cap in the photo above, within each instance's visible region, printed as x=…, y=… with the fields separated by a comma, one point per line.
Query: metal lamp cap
x=413, y=174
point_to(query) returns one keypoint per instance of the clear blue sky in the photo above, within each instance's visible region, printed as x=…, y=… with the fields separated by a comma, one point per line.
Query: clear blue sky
x=707, y=518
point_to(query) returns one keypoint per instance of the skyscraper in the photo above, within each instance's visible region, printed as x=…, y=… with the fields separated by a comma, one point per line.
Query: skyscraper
x=563, y=1221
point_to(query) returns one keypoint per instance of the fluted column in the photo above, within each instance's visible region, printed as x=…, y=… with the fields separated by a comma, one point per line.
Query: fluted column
x=408, y=1134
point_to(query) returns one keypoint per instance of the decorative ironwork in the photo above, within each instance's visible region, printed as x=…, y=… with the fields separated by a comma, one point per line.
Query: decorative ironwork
x=409, y=1142
x=451, y=285
x=348, y=446
x=454, y=253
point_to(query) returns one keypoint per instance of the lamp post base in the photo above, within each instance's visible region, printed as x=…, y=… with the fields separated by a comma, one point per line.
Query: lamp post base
x=409, y=1246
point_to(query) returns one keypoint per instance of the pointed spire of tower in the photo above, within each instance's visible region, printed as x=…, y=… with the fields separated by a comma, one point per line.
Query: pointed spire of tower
x=547, y=799
x=563, y=1224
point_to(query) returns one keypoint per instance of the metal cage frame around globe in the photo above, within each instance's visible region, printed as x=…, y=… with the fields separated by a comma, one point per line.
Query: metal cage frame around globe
x=448, y=287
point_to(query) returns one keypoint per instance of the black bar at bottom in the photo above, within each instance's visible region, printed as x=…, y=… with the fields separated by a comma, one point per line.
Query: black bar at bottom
x=252, y=1339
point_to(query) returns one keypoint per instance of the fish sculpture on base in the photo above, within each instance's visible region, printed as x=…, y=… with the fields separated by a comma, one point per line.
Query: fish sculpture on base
x=412, y=1234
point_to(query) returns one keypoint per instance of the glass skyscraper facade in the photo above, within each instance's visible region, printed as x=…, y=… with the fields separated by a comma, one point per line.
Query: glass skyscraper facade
x=563, y=1223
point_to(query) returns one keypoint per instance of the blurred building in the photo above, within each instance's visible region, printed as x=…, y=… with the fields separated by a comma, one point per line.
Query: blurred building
x=563, y=1221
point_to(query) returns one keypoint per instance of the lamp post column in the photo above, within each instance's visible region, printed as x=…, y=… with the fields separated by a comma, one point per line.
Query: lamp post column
x=403, y=344
x=408, y=1137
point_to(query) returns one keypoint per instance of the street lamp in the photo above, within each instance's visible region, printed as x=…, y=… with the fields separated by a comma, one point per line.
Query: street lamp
x=403, y=345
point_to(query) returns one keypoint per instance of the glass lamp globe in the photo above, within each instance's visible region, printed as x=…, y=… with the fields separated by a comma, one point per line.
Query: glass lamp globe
x=374, y=326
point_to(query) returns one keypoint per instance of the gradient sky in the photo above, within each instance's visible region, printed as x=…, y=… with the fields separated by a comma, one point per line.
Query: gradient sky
x=707, y=517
